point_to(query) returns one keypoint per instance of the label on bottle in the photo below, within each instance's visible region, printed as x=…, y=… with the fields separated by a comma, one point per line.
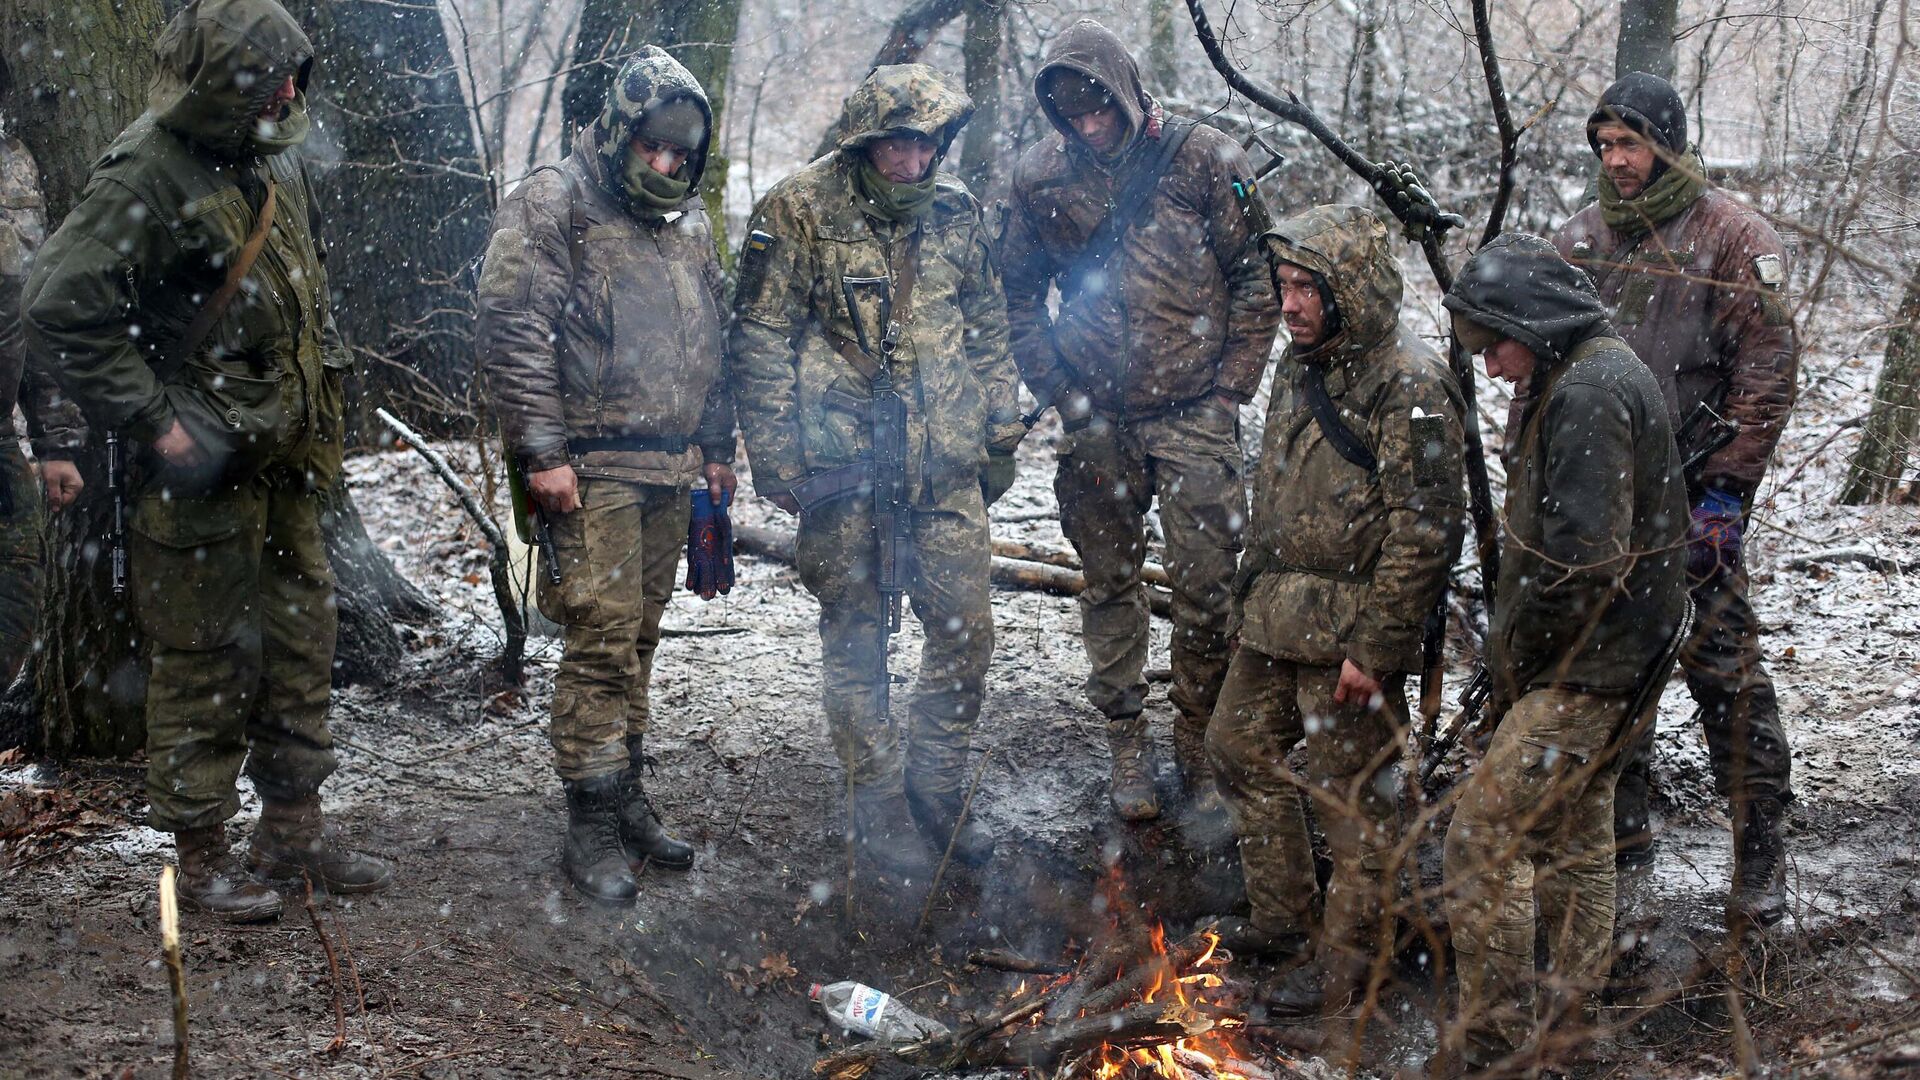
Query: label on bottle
x=865, y=1007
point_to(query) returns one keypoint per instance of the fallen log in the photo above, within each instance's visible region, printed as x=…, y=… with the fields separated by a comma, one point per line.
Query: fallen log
x=1152, y=573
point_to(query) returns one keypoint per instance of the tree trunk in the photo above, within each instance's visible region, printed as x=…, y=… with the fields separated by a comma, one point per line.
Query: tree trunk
x=1161, y=72
x=1875, y=473
x=980, y=152
x=1646, y=38
x=402, y=202
x=912, y=31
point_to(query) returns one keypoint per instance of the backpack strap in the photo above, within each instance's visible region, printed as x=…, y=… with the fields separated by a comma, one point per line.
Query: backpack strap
x=1106, y=236
x=1313, y=384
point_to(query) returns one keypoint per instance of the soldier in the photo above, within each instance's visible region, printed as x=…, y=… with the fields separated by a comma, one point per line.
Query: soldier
x=183, y=303
x=1357, y=515
x=601, y=337
x=1693, y=280
x=53, y=423
x=1588, y=609
x=867, y=275
x=1166, y=317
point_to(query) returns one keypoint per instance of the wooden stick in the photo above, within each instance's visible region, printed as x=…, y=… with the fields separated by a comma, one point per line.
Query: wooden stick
x=953, y=839
x=176, y=969
x=333, y=969
x=1137, y=1025
x=1177, y=961
x=1008, y=960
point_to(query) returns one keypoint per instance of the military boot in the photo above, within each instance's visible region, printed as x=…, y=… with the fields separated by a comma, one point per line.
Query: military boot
x=938, y=815
x=212, y=879
x=1131, y=788
x=1632, y=823
x=883, y=831
x=1759, y=894
x=1316, y=987
x=592, y=856
x=644, y=838
x=293, y=839
x=1196, y=769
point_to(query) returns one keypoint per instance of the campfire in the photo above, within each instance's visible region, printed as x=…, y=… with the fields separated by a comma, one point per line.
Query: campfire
x=1133, y=1008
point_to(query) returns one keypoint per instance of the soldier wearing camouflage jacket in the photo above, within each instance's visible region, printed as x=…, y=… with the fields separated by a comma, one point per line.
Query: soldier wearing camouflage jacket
x=1148, y=359
x=231, y=442
x=601, y=338
x=1343, y=564
x=824, y=244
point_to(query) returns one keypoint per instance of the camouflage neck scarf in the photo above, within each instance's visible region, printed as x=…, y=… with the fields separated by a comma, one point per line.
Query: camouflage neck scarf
x=270, y=137
x=652, y=194
x=1663, y=200
x=883, y=199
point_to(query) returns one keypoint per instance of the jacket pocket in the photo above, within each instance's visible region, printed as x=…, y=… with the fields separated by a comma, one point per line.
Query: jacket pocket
x=189, y=560
x=238, y=420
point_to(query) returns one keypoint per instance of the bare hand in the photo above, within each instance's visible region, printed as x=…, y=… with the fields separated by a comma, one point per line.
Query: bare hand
x=1357, y=687
x=720, y=482
x=555, y=491
x=61, y=478
x=178, y=448
x=785, y=502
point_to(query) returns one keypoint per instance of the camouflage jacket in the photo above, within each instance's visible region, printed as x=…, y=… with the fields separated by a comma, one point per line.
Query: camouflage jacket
x=1187, y=305
x=53, y=422
x=167, y=209
x=598, y=322
x=802, y=406
x=1354, y=560
x=1592, y=541
x=1700, y=300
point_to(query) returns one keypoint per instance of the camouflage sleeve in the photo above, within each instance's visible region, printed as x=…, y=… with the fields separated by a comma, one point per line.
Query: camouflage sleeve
x=522, y=293
x=1026, y=273
x=54, y=424
x=714, y=436
x=984, y=306
x=1753, y=333
x=77, y=309
x=1420, y=448
x=770, y=309
x=1253, y=311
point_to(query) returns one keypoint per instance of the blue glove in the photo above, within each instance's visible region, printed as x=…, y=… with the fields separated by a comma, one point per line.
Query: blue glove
x=1714, y=535
x=709, y=546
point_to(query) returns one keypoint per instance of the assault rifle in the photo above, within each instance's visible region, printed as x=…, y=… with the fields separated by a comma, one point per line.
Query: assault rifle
x=117, y=533
x=529, y=520
x=892, y=494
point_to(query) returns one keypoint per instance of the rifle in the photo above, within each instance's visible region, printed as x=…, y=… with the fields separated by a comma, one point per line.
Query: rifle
x=1473, y=699
x=892, y=495
x=117, y=534
x=529, y=521
x=1708, y=433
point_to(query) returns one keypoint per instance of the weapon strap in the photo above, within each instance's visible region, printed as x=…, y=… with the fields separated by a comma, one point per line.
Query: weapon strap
x=1113, y=228
x=1313, y=384
x=216, y=305
x=900, y=311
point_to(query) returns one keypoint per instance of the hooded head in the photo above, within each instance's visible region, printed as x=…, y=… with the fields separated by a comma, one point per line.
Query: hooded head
x=1519, y=287
x=654, y=97
x=1350, y=254
x=1085, y=61
x=901, y=101
x=1649, y=105
x=220, y=63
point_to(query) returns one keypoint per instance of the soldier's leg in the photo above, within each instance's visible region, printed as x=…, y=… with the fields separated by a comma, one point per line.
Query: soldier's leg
x=1256, y=722
x=20, y=561
x=1103, y=491
x=1197, y=467
x=663, y=532
x=1576, y=887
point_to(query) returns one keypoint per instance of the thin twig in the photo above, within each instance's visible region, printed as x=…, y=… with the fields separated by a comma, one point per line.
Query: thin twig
x=176, y=969
x=953, y=840
x=333, y=970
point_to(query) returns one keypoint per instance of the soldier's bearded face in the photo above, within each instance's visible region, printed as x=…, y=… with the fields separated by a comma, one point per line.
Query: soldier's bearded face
x=664, y=158
x=903, y=159
x=282, y=97
x=1627, y=158
x=1301, y=305
x=1508, y=359
x=1101, y=129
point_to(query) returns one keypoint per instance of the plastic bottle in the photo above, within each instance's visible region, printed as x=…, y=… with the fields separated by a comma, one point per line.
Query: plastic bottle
x=861, y=1009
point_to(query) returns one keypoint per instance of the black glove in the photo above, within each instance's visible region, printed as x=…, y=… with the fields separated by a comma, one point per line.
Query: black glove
x=997, y=478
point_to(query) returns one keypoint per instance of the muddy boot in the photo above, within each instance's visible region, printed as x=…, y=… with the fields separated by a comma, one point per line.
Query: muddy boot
x=293, y=838
x=641, y=834
x=212, y=879
x=938, y=814
x=883, y=831
x=1241, y=938
x=1632, y=823
x=1131, y=788
x=1196, y=769
x=1300, y=993
x=592, y=856
x=1759, y=895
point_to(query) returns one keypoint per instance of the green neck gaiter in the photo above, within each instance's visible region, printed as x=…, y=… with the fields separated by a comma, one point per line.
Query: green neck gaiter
x=1665, y=198
x=652, y=194
x=270, y=137
x=883, y=199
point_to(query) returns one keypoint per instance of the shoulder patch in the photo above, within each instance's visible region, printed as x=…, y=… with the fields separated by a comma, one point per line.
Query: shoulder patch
x=1771, y=271
x=1428, y=436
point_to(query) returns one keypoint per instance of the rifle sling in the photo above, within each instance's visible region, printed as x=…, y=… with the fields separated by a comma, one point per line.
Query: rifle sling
x=216, y=305
x=1313, y=384
x=1113, y=228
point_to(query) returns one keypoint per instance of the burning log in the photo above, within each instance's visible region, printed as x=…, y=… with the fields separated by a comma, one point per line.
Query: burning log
x=1008, y=960
x=1135, y=1025
x=1157, y=973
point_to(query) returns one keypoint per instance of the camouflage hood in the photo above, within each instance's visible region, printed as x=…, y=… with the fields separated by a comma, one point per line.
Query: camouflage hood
x=1098, y=53
x=906, y=97
x=645, y=82
x=1352, y=252
x=1519, y=286
x=219, y=63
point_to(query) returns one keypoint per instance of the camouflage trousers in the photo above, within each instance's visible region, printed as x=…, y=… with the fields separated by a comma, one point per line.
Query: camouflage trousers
x=234, y=593
x=1109, y=476
x=619, y=558
x=1738, y=709
x=948, y=590
x=22, y=570
x=1266, y=706
x=1533, y=833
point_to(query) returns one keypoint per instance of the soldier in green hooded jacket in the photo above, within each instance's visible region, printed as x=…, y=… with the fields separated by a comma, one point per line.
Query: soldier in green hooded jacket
x=232, y=438
x=822, y=279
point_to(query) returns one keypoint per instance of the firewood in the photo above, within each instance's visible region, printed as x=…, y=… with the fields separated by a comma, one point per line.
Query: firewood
x=1136, y=1025
x=1178, y=960
x=1008, y=960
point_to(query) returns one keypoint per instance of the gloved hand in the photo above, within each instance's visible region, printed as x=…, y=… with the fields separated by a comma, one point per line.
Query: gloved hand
x=997, y=478
x=1408, y=199
x=1076, y=410
x=709, y=546
x=1714, y=535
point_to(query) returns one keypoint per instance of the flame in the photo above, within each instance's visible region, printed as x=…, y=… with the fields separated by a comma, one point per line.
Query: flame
x=1177, y=1059
x=1020, y=990
x=1213, y=943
